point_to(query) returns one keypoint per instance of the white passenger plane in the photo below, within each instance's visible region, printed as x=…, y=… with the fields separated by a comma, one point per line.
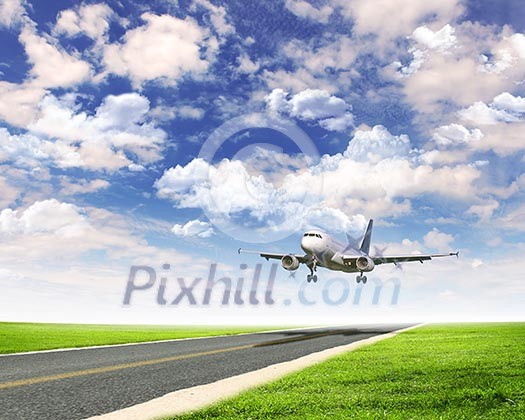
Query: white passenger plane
x=323, y=251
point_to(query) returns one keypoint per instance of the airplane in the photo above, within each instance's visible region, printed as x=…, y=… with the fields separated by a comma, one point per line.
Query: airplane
x=321, y=250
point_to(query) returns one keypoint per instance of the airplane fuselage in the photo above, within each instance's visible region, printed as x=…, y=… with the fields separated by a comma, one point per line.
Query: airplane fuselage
x=328, y=252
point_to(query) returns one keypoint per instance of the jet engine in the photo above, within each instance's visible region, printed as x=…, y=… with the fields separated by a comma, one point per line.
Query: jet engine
x=290, y=262
x=364, y=264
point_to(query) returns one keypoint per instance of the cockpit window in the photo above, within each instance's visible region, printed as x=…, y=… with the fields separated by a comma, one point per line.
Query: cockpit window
x=316, y=235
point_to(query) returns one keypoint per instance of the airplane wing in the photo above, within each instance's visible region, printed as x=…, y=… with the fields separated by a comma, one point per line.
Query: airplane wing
x=301, y=258
x=409, y=258
x=350, y=260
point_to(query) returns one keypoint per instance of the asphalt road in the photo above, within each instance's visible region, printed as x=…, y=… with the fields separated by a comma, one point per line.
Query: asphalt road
x=77, y=384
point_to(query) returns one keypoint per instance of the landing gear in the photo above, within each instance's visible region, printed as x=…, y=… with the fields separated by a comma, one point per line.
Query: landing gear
x=313, y=268
x=311, y=277
x=361, y=278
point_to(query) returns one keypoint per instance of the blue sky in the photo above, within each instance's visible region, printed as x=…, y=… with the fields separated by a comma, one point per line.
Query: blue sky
x=335, y=112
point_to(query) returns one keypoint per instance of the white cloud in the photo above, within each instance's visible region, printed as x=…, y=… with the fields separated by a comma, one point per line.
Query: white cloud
x=49, y=216
x=438, y=240
x=246, y=65
x=167, y=113
x=440, y=40
x=485, y=210
x=334, y=220
x=458, y=72
x=509, y=103
x=418, y=59
x=375, y=179
x=191, y=113
x=117, y=135
x=82, y=186
x=503, y=138
x=119, y=126
x=297, y=80
x=480, y=113
x=454, y=134
x=91, y=20
x=170, y=46
x=390, y=19
x=427, y=42
x=12, y=12
x=52, y=66
x=313, y=104
x=305, y=10
x=23, y=150
x=217, y=16
x=51, y=232
x=331, y=112
x=328, y=64
x=18, y=102
x=377, y=144
x=193, y=228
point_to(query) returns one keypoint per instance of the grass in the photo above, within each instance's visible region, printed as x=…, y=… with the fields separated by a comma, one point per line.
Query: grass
x=474, y=371
x=22, y=337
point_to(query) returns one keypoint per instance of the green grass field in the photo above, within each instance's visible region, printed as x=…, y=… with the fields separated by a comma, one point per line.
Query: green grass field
x=434, y=372
x=21, y=337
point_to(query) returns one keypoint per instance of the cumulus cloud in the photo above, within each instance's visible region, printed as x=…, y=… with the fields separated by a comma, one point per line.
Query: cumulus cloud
x=305, y=10
x=91, y=20
x=509, y=103
x=49, y=216
x=502, y=120
x=438, y=240
x=440, y=40
x=193, y=228
x=165, y=48
x=51, y=65
x=427, y=42
x=23, y=150
x=375, y=177
x=456, y=134
x=217, y=16
x=331, y=112
x=246, y=65
x=12, y=12
x=19, y=104
x=334, y=220
x=377, y=144
x=388, y=20
x=117, y=135
x=51, y=230
x=463, y=65
x=328, y=64
x=481, y=113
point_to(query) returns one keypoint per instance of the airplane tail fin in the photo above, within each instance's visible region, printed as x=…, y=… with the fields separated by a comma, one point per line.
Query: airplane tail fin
x=365, y=244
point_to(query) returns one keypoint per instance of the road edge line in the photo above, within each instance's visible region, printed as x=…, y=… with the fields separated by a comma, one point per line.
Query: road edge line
x=169, y=340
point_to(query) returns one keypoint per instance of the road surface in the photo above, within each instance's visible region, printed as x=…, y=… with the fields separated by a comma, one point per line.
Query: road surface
x=76, y=384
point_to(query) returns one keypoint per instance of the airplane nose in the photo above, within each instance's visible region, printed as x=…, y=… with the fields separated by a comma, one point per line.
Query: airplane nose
x=309, y=243
x=305, y=243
